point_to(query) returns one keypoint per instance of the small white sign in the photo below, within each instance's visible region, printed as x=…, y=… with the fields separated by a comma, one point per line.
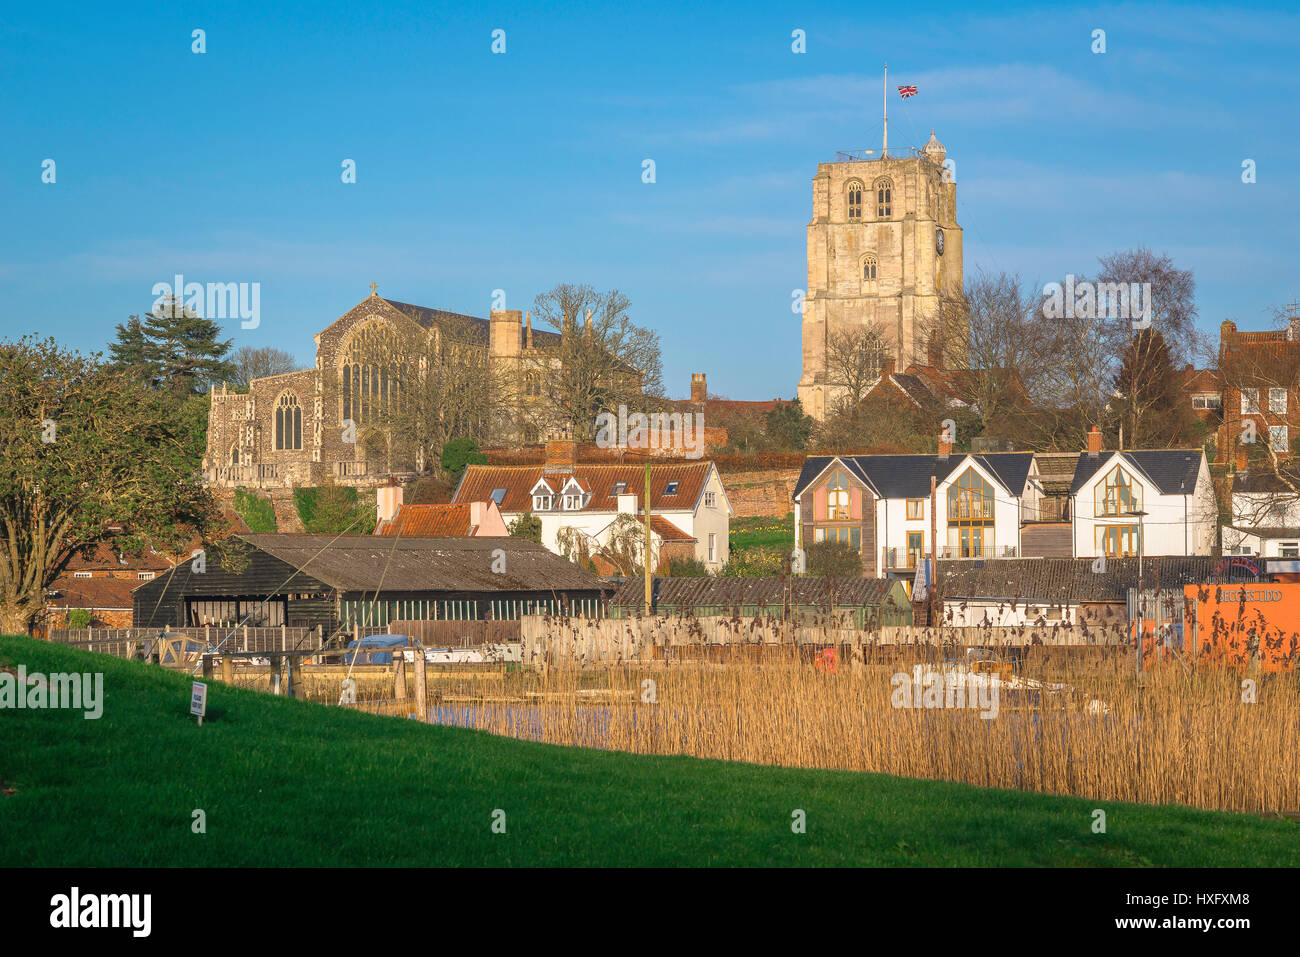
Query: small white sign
x=199, y=700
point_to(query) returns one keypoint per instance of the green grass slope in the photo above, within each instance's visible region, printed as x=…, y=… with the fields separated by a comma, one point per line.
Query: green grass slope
x=291, y=783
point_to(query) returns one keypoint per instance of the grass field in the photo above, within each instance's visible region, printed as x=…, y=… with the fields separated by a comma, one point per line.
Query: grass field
x=751, y=532
x=284, y=782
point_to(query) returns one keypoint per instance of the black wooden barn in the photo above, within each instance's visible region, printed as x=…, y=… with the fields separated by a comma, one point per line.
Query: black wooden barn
x=334, y=582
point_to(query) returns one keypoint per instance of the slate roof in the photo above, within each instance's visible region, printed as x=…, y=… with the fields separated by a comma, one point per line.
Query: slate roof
x=104, y=558
x=908, y=476
x=352, y=563
x=479, y=482
x=1269, y=531
x=1046, y=580
x=427, y=318
x=1265, y=480
x=735, y=592
x=1172, y=471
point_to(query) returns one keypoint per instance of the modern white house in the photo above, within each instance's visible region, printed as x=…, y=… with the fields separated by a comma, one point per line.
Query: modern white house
x=895, y=509
x=1265, y=514
x=1159, y=499
x=583, y=508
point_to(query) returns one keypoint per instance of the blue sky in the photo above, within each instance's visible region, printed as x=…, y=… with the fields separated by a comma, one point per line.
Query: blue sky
x=478, y=171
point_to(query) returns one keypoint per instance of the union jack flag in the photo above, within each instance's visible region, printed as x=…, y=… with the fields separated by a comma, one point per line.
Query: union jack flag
x=906, y=91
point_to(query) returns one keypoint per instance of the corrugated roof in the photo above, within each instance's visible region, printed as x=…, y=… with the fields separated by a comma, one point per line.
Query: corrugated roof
x=1174, y=471
x=518, y=481
x=1066, y=579
x=735, y=592
x=352, y=563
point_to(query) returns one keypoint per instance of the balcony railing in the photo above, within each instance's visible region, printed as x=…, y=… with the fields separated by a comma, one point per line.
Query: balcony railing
x=950, y=552
x=244, y=474
x=895, y=559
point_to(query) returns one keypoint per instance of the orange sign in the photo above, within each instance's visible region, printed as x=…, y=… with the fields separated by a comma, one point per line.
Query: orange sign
x=1244, y=620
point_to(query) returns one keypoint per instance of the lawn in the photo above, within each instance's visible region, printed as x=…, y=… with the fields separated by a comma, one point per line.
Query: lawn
x=284, y=782
x=768, y=530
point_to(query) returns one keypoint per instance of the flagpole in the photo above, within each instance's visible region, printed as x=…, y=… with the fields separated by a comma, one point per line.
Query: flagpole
x=884, y=152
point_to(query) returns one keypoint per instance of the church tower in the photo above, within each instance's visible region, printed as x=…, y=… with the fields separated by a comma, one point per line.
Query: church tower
x=884, y=251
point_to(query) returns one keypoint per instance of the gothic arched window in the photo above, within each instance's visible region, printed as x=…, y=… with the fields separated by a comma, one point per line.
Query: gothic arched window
x=234, y=455
x=370, y=389
x=288, y=423
x=855, y=200
x=869, y=269
x=884, y=198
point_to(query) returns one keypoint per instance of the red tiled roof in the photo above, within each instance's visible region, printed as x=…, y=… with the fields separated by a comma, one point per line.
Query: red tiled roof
x=105, y=559
x=91, y=593
x=518, y=480
x=428, y=521
x=667, y=531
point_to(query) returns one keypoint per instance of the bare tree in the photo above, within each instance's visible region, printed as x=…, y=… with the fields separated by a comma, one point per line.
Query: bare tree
x=257, y=363
x=600, y=359
x=854, y=359
x=411, y=390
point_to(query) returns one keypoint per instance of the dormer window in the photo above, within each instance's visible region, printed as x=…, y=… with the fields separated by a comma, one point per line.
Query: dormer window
x=543, y=496
x=573, y=502
x=541, y=503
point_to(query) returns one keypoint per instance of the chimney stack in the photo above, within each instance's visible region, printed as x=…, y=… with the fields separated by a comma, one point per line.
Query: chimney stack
x=945, y=447
x=1094, y=442
x=561, y=455
x=934, y=353
x=389, y=499
x=887, y=366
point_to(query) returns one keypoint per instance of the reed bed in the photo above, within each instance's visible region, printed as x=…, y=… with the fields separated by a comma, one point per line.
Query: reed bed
x=1177, y=735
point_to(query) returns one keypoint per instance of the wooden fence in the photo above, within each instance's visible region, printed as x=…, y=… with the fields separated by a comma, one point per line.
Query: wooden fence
x=124, y=642
x=457, y=634
x=554, y=641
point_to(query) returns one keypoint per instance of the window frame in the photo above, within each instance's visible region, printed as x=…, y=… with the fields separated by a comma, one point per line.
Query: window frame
x=1277, y=408
x=920, y=510
x=1133, y=534
x=1102, y=506
x=1253, y=407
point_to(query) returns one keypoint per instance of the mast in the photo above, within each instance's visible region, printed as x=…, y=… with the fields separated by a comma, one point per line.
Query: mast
x=885, y=100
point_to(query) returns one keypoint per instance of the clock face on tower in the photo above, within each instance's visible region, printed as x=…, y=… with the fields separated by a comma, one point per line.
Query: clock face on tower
x=938, y=241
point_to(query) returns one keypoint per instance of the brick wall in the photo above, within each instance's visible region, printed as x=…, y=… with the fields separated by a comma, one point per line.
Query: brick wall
x=756, y=494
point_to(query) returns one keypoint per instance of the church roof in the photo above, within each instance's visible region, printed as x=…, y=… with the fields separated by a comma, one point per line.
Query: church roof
x=427, y=318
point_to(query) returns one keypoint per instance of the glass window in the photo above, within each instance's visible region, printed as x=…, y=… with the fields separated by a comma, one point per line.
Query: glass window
x=288, y=423
x=1277, y=401
x=671, y=488
x=915, y=509
x=1118, y=541
x=1249, y=401
x=1278, y=436
x=884, y=198
x=837, y=496
x=855, y=200
x=1118, y=495
x=970, y=500
x=869, y=269
x=1289, y=549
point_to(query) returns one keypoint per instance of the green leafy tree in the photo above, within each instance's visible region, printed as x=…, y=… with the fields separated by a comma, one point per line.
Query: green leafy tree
x=788, y=427
x=87, y=452
x=457, y=454
x=334, y=510
x=174, y=350
x=527, y=526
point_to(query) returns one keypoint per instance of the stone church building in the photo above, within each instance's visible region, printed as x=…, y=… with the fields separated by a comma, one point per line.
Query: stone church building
x=320, y=425
x=884, y=250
